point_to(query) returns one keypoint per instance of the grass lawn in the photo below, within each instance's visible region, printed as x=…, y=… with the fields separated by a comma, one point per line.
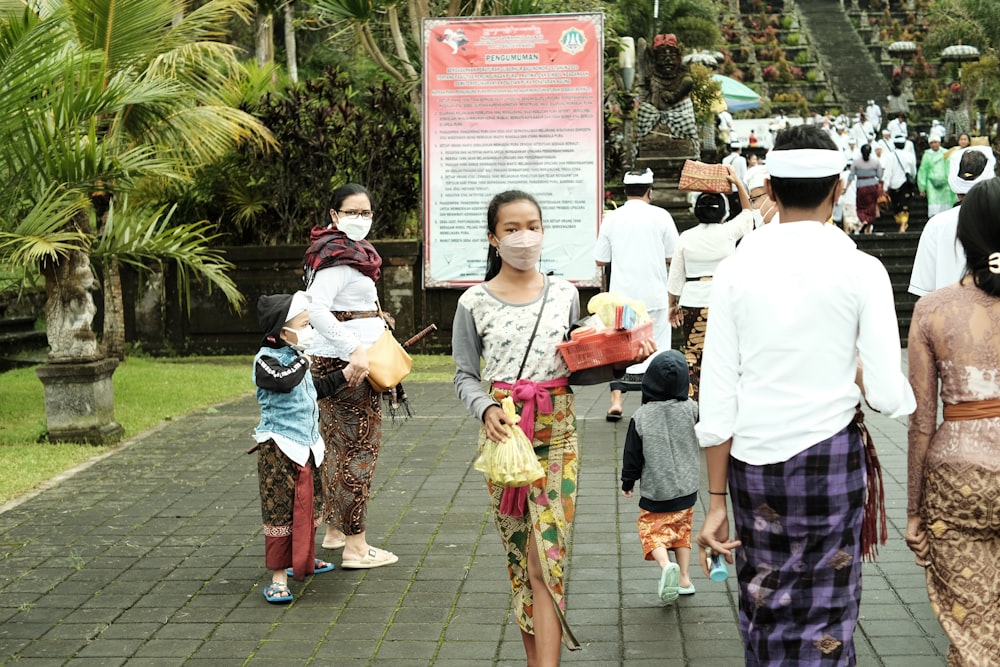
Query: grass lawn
x=148, y=392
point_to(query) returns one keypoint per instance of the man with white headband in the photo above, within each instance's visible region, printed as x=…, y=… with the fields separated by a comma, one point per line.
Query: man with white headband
x=793, y=309
x=940, y=258
x=763, y=208
x=638, y=240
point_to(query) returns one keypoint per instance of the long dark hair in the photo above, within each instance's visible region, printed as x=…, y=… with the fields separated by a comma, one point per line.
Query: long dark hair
x=493, y=261
x=979, y=233
x=866, y=152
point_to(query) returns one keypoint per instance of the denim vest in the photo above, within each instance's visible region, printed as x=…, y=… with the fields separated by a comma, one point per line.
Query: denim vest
x=294, y=415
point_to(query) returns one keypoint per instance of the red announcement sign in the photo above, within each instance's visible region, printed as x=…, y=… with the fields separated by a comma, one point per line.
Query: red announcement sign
x=512, y=103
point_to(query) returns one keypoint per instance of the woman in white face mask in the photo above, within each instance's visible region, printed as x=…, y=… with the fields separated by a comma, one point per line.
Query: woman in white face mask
x=513, y=320
x=341, y=269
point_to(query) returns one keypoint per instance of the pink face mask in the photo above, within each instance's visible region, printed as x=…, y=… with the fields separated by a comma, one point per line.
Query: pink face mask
x=522, y=249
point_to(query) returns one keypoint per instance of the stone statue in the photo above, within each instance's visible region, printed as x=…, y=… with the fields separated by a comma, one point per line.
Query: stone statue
x=664, y=86
x=70, y=309
x=956, y=116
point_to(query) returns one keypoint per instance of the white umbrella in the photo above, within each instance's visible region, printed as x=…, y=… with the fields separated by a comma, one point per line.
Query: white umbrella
x=902, y=48
x=960, y=53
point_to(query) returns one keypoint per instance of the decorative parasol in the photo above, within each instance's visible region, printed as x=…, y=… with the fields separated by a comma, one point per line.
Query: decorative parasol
x=706, y=58
x=960, y=53
x=902, y=48
x=738, y=97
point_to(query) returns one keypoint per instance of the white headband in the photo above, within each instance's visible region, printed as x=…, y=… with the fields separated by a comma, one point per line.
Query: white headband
x=756, y=177
x=805, y=163
x=299, y=304
x=645, y=178
x=959, y=185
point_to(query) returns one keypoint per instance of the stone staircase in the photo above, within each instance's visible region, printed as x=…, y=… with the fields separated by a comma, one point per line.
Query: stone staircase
x=855, y=76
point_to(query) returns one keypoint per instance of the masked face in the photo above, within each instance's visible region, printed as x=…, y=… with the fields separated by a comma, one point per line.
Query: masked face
x=522, y=249
x=303, y=337
x=354, y=216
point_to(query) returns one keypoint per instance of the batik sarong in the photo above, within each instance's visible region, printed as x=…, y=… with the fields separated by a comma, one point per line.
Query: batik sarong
x=277, y=475
x=867, y=204
x=350, y=422
x=670, y=530
x=694, y=321
x=961, y=511
x=550, y=510
x=799, y=567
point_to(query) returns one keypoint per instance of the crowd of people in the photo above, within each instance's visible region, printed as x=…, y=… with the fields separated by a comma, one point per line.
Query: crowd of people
x=789, y=330
x=897, y=163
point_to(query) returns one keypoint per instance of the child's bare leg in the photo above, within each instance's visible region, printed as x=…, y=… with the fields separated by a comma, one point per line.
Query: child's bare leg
x=683, y=556
x=661, y=557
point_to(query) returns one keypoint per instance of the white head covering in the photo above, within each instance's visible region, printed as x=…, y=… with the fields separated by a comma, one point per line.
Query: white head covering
x=645, y=178
x=756, y=177
x=299, y=304
x=805, y=163
x=961, y=186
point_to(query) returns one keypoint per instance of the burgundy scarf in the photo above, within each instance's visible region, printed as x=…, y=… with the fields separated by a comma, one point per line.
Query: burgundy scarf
x=328, y=246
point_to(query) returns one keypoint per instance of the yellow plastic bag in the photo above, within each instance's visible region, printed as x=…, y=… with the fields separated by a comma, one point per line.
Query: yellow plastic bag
x=511, y=462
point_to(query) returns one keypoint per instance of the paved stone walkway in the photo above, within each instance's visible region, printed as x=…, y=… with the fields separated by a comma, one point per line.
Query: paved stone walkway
x=153, y=555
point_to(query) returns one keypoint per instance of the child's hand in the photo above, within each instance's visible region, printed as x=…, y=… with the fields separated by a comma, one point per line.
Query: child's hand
x=627, y=494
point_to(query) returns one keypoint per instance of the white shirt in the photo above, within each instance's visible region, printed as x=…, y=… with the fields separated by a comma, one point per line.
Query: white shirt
x=792, y=310
x=739, y=164
x=342, y=288
x=897, y=165
x=940, y=259
x=698, y=253
x=637, y=239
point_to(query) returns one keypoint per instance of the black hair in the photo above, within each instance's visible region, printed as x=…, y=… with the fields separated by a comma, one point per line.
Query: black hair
x=979, y=233
x=971, y=166
x=345, y=191
x=866, y=152
x=637, y=189
x=711, y=207
x=493, y=260
x=803, y=193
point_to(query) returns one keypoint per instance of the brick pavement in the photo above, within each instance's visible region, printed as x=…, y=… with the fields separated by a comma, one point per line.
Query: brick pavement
x=152, y=555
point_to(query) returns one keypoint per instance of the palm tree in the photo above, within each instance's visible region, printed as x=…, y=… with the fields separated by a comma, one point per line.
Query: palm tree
x=104, y=99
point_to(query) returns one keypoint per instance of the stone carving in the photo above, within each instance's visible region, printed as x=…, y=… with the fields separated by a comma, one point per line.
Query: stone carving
x=956, y=116
x=70, y=309
x=664, y=86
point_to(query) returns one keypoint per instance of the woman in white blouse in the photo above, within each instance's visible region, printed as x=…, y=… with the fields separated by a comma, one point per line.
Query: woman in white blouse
x=341, y=268
x=698, y=252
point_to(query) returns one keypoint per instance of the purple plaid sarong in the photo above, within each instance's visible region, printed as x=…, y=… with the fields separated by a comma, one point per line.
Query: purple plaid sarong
x=799, y=568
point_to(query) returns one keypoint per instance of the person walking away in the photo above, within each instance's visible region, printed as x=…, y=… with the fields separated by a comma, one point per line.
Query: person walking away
x=661, y=450
x=289, y=447
x=736, y=160
x=797, y=311
x=638, y=240
x=940, y=259
x=866, y=174
x=932, y=178
x=899, y=180
x=513, y=321
x=698, y=253
x=341, y=268
x=954, y=467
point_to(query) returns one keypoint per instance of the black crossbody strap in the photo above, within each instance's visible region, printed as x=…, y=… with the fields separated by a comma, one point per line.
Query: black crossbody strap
x=531, y=340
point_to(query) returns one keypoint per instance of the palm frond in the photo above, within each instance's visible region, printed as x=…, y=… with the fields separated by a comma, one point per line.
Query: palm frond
x=137, y=236
x=46, y=231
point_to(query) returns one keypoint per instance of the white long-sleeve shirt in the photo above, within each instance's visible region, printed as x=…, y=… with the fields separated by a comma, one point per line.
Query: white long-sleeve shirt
x=792, y=310
x=342, y=288
x=698, y=253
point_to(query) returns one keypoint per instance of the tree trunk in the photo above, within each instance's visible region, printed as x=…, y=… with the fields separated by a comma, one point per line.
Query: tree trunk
x=69, y=308
x=291, y=50
x=114, y=311
x=265, y=40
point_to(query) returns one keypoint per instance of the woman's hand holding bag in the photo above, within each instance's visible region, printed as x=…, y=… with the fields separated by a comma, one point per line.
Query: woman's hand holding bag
x=512, y=462
x=388, y=361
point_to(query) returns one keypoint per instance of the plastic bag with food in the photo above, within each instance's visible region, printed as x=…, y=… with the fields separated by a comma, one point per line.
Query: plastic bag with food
x=511, y=462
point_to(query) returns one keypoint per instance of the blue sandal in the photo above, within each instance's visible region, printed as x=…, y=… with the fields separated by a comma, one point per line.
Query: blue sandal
x=319, y=567
x=278, y=593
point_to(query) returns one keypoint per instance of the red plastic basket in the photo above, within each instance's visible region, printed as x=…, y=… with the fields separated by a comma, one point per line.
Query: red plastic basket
x=605, y=347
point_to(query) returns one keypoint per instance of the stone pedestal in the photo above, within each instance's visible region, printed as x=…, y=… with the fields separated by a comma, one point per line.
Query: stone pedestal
x=80, y=402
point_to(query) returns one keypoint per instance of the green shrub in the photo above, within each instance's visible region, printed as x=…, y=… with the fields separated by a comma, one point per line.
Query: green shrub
x=802, y=57
x=792, y=39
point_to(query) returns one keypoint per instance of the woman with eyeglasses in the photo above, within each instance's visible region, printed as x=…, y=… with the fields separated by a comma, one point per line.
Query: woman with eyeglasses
x=341, y=269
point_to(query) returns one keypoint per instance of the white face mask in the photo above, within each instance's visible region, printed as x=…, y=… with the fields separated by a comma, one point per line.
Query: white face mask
x=522, y=249
x=304, y=337
x=356, y=227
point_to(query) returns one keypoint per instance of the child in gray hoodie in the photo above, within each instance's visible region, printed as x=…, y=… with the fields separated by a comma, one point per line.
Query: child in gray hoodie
x=661, y=449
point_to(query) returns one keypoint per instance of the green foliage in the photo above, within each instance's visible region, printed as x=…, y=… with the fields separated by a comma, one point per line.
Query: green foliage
x=792, y=39
x=696, y=32
x=329, y=133
x=705, y=92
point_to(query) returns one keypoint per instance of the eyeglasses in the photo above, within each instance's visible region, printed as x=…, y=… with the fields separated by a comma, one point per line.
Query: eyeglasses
x=753, y=200
x=354, y=213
